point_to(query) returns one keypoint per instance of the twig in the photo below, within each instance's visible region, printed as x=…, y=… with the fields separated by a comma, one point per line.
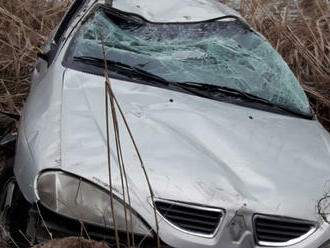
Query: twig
x=44, y=223
x=109, y=158
x=9, y=236
x=120, y=159
x=143, y=168
x=113, y=97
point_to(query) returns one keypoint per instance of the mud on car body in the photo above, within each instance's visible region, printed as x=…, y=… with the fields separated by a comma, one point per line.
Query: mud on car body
x=233, y=151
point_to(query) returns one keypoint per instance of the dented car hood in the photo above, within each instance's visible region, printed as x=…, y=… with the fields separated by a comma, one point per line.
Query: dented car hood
x=196, y=150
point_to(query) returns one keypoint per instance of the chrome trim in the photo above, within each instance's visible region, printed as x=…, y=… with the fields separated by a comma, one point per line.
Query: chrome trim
x=194, y=206
x=287, y=243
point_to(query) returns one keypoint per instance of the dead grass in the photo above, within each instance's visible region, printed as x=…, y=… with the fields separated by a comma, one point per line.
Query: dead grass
x=24, y=27
x=304, y=42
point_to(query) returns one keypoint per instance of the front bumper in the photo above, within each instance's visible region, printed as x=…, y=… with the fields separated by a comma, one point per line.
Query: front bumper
x=236, y=231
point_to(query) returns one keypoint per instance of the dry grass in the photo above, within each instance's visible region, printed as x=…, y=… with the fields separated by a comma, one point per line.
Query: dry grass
x=304, y=42
x=24, y=27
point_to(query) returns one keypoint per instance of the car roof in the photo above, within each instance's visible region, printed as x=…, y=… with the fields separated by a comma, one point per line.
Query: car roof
x=175, y=10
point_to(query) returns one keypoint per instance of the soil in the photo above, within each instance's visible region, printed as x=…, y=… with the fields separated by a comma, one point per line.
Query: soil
x=72, y=242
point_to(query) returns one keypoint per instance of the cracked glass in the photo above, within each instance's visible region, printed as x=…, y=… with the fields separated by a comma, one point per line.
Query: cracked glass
x=220, y=52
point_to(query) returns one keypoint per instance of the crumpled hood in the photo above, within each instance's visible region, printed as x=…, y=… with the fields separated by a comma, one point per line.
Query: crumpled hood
x=197, y=150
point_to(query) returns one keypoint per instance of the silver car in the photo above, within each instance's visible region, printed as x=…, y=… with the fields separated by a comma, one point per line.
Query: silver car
x=218, y=145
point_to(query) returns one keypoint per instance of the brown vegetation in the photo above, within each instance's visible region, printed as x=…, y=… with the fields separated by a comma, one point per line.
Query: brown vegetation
x=24, y=27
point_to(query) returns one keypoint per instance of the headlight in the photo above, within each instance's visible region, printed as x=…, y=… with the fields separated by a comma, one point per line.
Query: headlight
x=81, y=200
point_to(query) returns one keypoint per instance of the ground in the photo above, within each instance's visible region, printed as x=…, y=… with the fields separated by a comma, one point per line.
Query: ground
x=72, y=242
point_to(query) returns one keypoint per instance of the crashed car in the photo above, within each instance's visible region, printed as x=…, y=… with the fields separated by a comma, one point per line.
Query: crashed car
x=233, y=155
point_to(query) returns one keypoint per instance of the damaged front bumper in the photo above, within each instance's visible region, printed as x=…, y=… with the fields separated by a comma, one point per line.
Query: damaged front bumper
x=233, y=229
x=86, y=210
x=44, y=225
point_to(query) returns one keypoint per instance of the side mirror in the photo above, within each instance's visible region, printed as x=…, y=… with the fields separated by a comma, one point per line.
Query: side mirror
x=44, y=56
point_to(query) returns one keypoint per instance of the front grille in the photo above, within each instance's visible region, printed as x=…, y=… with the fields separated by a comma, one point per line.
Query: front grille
x=275, y=231
x=190, y=218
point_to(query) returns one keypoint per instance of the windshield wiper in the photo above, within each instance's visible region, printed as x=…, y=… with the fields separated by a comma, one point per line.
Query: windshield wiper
x=202, y=89
x=120, y=66
x=210, y=90
x=199, y=89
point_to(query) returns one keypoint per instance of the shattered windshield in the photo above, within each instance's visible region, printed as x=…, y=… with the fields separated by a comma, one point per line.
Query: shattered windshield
x=220, y=52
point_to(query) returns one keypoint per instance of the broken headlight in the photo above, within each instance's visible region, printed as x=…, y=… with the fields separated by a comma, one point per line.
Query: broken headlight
x=75, y=198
